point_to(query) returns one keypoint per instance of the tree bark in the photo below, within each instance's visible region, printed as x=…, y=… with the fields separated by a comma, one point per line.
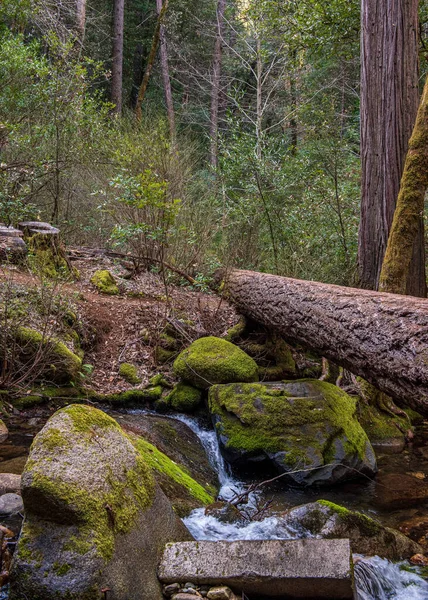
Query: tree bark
x=389, y=103
x=117, y=61
x=410, y=206
x=81, y=18
x=150, y=61
x=381, y=337
x=215, y=86
x=165, y=74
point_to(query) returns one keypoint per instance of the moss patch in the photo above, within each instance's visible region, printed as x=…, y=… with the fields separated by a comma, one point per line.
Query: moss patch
x=105, y=283
x=366, y=526
x=212, y=360
x=184, y=398
x=129, y=373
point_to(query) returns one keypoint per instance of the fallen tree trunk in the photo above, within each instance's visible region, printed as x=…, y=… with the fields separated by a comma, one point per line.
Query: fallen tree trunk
x=381, y=337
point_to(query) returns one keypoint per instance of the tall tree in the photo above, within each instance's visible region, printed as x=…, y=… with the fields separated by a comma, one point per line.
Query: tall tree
x=117, y=61
x=389, y=103
x=165, y=73
x=81, y=18
x=216, y=78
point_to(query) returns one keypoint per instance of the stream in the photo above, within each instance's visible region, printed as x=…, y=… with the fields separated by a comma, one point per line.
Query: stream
x=375, y=578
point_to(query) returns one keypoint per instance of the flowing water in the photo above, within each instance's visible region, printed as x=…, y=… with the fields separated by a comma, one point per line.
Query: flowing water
x=375, y=578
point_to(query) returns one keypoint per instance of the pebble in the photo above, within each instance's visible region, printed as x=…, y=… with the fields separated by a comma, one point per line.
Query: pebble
x=220, y=593
x=190, y=585
x=10, y=504
x=183, y=596
x=171, y=588
x=9, y=482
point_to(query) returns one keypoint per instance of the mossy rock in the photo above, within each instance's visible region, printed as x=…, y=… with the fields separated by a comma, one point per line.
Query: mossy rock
x=307, y=429
x=367, y=536
x=92, y=510
x=184, y=398
x=58, y=363
x=212, y=360
x=129, y=373
x=105, y=283
x=383, y=430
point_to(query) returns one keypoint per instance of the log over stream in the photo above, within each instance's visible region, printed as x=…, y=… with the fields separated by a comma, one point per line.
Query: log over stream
x=381, y=337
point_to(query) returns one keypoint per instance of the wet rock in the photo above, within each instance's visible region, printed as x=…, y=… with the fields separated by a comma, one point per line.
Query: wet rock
x=179, y=443
x=92, y=510
x=212, y=360
x=419, y=559
x=224, y=512
x=305, y=428
x=10, y=483
x=10, y=504
x=4, y=432
x=220, y=593
x=416, y=528
x=367, y=536
x=398, y=490
x=190, y=585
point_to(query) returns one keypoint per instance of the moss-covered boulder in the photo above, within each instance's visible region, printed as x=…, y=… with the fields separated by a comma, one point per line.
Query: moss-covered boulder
x=367, y=536
x=212, y=360
x=180, y=464
x=306, y=428
x=105, y=283
x=95, y=518
x=129, y=373
x=184, y=398
x=49, y=357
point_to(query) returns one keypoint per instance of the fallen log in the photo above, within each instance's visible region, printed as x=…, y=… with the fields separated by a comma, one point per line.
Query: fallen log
x=381, y=337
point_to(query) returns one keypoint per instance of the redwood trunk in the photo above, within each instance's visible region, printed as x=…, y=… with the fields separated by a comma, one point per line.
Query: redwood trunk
x=389, y=102
x=117, y=62
x=381, y=337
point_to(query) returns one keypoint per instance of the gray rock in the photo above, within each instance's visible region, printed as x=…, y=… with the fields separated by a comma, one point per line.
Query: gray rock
x=93, y=510
x=10, y=483
x=183, y=596
x=10, y=504
x=307, y=429
x=301, y=568
x=190, y=585
x=367, y=536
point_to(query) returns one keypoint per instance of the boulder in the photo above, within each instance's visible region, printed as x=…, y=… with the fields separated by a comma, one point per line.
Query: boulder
x=179, y=461
x=367, y=536
x=95, y=517
x=212, y=360
x=105, y=283
x=306, y=429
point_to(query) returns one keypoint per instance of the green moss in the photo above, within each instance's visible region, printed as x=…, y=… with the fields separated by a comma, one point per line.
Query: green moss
x=104, y=281
x=212, y=360
x=159, y=379
x=184, y=398
x=163, y=356
x=367, y=526
x=53, y=439
x=61, y=569
x=162, y=464
x=62, y=363
x=381, y=427
x=135, y=396
x=168, y=342
x=129, y=373
x=259, y=418
x=237, y=331
x=47, y=259
x=85, y=418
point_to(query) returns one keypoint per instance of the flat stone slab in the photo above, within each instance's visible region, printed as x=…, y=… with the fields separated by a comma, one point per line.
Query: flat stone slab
x=307, y=568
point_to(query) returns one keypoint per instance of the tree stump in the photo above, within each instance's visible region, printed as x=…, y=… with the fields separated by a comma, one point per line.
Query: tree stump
x=47, y=253
x=13, y=249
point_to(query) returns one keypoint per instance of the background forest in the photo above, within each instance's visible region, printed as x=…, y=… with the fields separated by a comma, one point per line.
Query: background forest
x=236, y=142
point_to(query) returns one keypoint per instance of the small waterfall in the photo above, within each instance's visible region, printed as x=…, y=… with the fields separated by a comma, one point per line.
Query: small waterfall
x=378, y=579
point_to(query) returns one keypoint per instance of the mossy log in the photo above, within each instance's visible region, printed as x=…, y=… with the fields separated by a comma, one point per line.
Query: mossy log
x=381, y=337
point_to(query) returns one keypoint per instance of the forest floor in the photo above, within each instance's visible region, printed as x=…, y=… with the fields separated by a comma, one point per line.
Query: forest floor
x=128, y=327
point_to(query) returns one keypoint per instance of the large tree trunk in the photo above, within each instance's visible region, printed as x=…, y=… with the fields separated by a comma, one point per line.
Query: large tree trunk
x=389, y=102
x=81, y=18
x=117, y=62
x=215, y=86
x=410, y=206
x=381, y=337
